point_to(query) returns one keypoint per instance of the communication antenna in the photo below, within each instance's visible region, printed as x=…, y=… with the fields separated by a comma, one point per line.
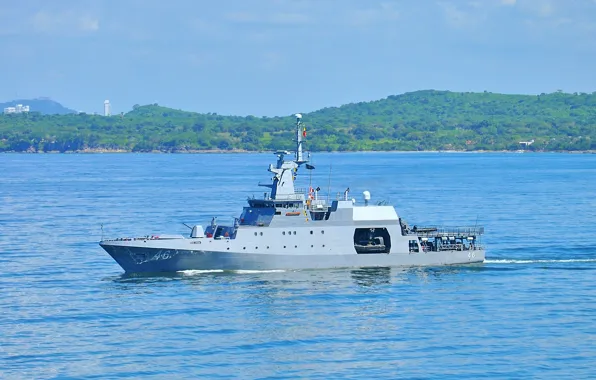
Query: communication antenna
x=309, y=176
x=329, y=183
x=298, y=139
x=102, y=232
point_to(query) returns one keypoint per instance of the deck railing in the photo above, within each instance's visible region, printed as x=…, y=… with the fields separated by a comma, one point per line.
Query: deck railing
x=427, y=231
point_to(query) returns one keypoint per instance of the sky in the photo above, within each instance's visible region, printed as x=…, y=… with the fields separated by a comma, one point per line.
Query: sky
x=279, y=57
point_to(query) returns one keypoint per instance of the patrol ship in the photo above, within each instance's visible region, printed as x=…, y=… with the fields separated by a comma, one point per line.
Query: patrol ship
x=290, y=228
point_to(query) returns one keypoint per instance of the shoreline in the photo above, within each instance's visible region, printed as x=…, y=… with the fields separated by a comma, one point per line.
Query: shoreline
x=240, y=151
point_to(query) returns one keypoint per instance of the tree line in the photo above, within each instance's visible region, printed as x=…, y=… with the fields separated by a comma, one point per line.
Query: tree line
x=421, y=120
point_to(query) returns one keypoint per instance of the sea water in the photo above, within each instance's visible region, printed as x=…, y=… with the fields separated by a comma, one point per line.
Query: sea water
x=68, y=311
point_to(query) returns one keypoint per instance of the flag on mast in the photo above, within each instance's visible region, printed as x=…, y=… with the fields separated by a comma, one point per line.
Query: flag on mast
x=304, y=132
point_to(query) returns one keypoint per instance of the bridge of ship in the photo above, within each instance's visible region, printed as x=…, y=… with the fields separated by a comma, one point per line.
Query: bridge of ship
x=260, y=212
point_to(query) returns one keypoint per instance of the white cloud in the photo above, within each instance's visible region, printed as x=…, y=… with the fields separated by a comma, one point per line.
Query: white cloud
x=65, y=22
x=385, y=11
x=546, y=9
x=200, y=58
x=279, y=18
x=455, y=16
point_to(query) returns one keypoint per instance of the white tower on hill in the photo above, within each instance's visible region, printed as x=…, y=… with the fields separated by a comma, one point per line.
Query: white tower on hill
x=106, y=108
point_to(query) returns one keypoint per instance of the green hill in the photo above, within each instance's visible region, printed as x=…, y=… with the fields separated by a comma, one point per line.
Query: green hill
x=422, y=120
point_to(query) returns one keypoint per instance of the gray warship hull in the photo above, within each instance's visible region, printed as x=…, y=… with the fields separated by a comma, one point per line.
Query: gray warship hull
x=154, y=260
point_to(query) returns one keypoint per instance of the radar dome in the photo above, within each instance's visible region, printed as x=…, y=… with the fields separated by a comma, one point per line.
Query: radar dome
x=366, y=195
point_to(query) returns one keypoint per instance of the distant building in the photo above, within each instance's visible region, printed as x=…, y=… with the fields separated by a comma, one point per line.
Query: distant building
x=19, y=108
x=526, y=143
x=106, y=108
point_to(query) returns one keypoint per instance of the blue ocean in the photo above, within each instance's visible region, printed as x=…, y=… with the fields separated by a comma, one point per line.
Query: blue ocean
x=69, y=311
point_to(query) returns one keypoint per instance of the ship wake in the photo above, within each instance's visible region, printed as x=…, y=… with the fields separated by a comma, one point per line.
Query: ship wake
x=195, y=272
x=538, y=261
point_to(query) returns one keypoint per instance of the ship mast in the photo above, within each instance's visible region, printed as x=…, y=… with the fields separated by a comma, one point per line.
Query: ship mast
x=299, y=139
x=285, y=171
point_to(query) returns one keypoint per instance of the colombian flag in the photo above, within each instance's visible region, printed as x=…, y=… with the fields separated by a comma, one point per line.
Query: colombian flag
x=304, y=132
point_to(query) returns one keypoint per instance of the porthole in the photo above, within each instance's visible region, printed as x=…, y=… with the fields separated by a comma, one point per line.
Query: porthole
x=228, y=248
x=267, y=247
x=312, y=246
x=294, y=232
x=243, y=247
x=256, y=247
x=255, y=234
x=323, y=245
x=311, y=232
x=295, y=246
x=284, y=246
x=283, y=232
x=322, y=231
x=261, y=234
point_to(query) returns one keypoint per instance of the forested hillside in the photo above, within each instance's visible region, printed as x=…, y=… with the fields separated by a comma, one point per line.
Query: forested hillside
x=422, y=120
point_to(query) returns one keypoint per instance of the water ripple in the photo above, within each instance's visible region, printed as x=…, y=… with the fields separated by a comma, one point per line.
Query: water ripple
x=70, y=312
